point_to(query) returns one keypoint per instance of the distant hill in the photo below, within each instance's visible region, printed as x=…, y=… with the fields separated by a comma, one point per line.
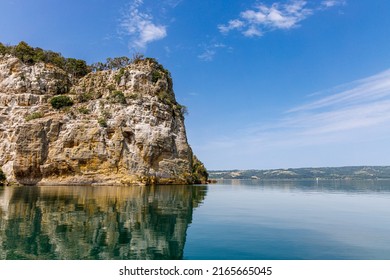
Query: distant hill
x=348, y=172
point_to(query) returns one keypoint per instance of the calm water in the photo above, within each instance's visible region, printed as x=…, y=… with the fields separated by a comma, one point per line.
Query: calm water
x=229, y=220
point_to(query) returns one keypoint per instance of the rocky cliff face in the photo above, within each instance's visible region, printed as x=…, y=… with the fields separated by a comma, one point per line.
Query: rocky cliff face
x=125, y=126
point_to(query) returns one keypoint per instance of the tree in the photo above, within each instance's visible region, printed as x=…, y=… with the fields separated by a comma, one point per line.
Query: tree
x=76, y=67
x=54, y=58
x=3, y=49
x=98, y=66
x=24, y=52
x=117, y=62
x=30, y=55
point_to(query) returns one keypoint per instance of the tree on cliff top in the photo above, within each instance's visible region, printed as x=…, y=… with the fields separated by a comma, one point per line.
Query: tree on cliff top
x=29, y=55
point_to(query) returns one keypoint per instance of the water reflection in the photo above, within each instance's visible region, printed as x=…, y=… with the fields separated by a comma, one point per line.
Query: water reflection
x=96, y=222
x=324, y=186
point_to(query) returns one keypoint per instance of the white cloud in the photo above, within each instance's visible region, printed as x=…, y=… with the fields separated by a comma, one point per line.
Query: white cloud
x=262, y=18
x=207, y=55
x=140, y=26
x=332, y=3
x=233, y=24
x=252, y=31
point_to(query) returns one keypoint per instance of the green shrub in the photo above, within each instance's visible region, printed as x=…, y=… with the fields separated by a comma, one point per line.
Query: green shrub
x=30, y=56
x=3, y=49
x=166, y=98
x=77, y=67
x=85, y=97
x=102, y=122
x=84, y=110
x=111, y=87
x=133, y=96
x=35, y=115
x=183, y=109
x=61, y=101
x=156, y=75
x=118, y=97
x=199, y=171
x=2, y=177
x=119, y=75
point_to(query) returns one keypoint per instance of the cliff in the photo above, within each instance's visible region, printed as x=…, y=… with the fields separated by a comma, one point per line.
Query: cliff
x=118, y=127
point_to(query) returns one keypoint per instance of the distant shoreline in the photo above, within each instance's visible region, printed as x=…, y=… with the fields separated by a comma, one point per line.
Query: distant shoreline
x=317, y=173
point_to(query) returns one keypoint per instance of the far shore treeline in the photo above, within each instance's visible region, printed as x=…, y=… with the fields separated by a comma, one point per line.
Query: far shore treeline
x=347, y=172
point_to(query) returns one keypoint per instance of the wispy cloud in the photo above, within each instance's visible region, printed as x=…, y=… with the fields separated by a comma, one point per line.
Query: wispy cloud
x=332, y=3
x=364, y=91
x=356, y=114
x=210, y=50
x=262, y=18
x=363, y=104
x=140, y=26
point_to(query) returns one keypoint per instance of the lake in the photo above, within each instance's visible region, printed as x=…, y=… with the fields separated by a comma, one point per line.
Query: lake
x=233, y=219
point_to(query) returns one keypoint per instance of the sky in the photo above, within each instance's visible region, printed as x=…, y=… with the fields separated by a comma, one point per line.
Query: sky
x=267, y=84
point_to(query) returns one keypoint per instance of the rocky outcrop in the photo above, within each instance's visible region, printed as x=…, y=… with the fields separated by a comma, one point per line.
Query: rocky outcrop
x=125, y=126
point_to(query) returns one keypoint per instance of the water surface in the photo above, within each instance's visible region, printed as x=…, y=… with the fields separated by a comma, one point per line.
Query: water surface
x=235, y=219
x=248, y=219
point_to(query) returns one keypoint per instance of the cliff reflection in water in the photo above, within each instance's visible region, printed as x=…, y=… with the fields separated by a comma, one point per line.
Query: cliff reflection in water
x=96, y=222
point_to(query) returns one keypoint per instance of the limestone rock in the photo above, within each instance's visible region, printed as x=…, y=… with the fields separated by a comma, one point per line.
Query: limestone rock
x=125, y=126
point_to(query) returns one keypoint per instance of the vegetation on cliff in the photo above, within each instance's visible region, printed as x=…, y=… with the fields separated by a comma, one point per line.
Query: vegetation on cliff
x=115, y=123
x=2, y=177
x=199, y=171
x=29, y=55
x=61, y=101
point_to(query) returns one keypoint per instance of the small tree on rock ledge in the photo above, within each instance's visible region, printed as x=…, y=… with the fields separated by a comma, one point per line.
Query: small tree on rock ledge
x=61, y=101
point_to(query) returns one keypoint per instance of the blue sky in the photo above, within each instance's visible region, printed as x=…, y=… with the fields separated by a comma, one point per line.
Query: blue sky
x=268, y=84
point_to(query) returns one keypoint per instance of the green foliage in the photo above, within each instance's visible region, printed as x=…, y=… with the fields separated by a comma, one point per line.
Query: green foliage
x=77, y=67
x=199, y=172
x=33, y=116
x=102, y=122
x=25, y=53
x=119, y=75
x=30, y=55
x=111, y=87
x=116, y=63
x=61, y=101
x=118, y=97
x=156, y=75
x=85, y=97
x=137, y=57
x=3, y=49
x=183, y=109
x=159, y=72
x=84, y=110
x=133, y=96
x=166, y=98
x=2, y=177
